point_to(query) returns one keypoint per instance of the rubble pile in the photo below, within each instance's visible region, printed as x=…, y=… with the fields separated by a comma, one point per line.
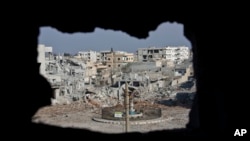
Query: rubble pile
x=96, y=86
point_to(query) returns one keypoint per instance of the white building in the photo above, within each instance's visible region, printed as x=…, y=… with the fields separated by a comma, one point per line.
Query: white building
x=176, y=53
x=90, y=56
x=43, y=51
x=167, y=53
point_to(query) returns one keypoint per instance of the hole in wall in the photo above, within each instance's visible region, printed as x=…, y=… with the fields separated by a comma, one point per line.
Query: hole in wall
x=89, y=73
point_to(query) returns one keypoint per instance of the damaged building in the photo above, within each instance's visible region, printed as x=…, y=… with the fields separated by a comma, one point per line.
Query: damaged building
x=99, y=77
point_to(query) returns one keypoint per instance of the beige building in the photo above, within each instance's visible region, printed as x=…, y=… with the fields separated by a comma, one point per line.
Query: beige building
x=118, y=59
x=90, y=69
x=179, y=78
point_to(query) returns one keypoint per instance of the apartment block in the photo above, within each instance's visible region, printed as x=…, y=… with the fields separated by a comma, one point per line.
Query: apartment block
x=118, y=58
x=90, y=56
x=165, y=53
x=44, y=54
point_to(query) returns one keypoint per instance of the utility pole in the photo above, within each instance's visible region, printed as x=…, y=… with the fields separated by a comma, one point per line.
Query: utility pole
x=112, y=59
x=126, y=107
x=118, y=92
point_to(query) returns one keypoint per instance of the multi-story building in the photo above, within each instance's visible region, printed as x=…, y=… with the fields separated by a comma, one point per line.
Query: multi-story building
x=118, y=58
x=166, y=53
x=44, y=54
x=98, y=57
x=90, y=56
x=104, y=55
x=176, y=53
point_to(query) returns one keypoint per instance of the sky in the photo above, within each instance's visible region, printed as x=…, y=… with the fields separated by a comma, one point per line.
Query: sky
x=166, y=34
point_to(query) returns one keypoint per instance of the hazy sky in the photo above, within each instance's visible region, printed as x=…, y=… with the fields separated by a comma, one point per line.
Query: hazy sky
x=167, y=34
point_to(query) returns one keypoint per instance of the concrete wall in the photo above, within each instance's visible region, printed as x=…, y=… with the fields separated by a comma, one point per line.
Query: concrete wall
x=158, y=63
x=184, y=77
x=48, y=49
x=143, y=66
x=41, y=58
x=53, y=79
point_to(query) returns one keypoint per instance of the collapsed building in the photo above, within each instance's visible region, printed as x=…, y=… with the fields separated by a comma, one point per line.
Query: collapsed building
x=100, y=85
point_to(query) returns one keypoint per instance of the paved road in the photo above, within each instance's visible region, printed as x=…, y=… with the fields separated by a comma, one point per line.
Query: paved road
x=80, y=116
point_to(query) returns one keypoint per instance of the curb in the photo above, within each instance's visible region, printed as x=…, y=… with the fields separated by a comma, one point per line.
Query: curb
x=142, y=122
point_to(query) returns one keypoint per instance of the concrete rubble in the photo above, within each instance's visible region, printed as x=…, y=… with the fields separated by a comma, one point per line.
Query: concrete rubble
x=94, y=85
x=77, y=80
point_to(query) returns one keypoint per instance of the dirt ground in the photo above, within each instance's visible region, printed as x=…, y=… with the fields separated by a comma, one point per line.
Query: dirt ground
x=79, y=115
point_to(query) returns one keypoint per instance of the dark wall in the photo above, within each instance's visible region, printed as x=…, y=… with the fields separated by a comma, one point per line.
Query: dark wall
x=216, y=36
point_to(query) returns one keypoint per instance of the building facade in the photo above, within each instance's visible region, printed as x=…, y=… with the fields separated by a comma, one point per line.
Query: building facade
x=118, y=59
x=165, y=53
x=90, y=56
x=103, y=55
x=43, y=54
